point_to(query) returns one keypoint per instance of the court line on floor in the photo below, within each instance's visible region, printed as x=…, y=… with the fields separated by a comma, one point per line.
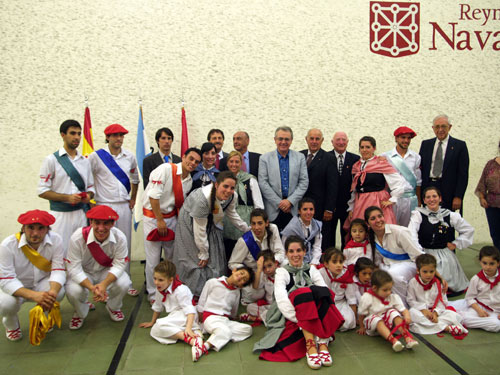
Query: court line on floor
x=113, y=366
x=443, y=356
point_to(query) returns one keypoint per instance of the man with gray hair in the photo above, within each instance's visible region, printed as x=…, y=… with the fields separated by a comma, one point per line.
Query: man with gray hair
x=283, y=178
x=445, y=164
x=250, y=163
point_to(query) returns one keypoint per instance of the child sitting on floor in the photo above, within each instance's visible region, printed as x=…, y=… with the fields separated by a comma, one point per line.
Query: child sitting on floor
x=380, y=310
x=219, y=301
x=182, y=321
x=264, y=280
x=363, y=270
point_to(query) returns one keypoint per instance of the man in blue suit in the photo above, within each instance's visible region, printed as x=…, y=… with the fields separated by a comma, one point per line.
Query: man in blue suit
x=283, y=178
x=445, y=164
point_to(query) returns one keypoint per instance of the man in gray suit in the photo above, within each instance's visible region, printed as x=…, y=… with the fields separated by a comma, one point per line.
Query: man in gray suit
x=283, y=178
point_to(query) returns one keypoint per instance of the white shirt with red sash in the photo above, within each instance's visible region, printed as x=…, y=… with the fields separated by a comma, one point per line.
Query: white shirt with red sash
x=342, y=285
x=484, y=291
x=81, y=262
x=219, y=298
x=425, y=296
x=177, y=297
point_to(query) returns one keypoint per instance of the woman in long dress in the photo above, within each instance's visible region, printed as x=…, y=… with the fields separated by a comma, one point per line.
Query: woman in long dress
x=371, y=177
x=433, y=229
x=199, y=247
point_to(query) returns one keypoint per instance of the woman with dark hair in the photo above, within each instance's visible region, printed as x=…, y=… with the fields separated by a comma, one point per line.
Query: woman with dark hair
x=371, y=177
x=433, y=228
x=206, y=172
x=488, y=191
x=199, y=248
x=393, y=248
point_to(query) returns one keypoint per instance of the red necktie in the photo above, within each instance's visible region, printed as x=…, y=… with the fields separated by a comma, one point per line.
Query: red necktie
x=217, y=161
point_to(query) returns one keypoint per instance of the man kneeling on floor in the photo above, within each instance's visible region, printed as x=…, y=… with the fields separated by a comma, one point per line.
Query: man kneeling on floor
x=31, y=268
x=97, y=256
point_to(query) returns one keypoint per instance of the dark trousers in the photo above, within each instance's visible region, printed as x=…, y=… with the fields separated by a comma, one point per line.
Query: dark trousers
x=493, y=216
x=282, y=220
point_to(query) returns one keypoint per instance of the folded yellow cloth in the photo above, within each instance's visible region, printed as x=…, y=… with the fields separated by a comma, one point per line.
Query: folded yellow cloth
x=41, y=323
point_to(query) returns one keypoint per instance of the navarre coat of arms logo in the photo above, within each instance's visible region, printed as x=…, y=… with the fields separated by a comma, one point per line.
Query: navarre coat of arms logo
x=394, y=28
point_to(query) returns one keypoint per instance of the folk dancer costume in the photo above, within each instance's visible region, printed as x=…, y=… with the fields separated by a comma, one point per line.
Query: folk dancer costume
x=409, y=168
x=261, y=306
x=177, y=300
x=354, y=250
x=431, y=297
x=369, y=188
x=61, y=174
x=23, y=267
x=396, y=255
x=199, y=237
x=376, y=309
x=113, y=177
x=203, y=177
x=89, y=259
x=432, y=231
x=360, y=288
x=245, y=253
x=219, y=302
x=301, y=301
x=166, y=185
x=485, y=291
x=345, y=294
x=311, y=234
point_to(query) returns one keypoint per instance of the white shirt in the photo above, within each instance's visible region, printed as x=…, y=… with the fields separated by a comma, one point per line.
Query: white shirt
x=267, y=283
x=218, y=299
x=346, y=293
x=108, y=188
x=464, y=229
x=352, y=254
x=180, y=300
x=412, y=161
x=160, y=187
x=242, y=256
x=360, y=290
x=80, y=260
x=481, y=290
x=397, y=240
x=281, y=294
x=421, y=299
x=54, y=178
x=370, y=305
x=200, y=224
x=256, y=194
x=436, y=145
x=16, y=271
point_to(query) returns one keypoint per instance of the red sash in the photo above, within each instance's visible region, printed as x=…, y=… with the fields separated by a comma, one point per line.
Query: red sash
x=483, y=305
x=483, y=277
x=175, y=283
x=206, y=314
x=177, y=188
x=345, y=279
x=230, y=287
x=365, y=287
x=370, y=291
x=97, y=253
x=429, y=286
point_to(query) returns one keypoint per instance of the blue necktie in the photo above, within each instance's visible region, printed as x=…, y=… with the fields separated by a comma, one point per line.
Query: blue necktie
x=166, y=158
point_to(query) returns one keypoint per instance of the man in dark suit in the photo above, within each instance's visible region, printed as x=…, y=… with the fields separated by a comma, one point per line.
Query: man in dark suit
x=216, y=136
x=445, y=164
x=343, y=161
x=164, y=138
x=322, y=182
x=250, y=164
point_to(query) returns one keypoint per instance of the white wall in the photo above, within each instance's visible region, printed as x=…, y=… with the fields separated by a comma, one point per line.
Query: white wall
x=239, y=65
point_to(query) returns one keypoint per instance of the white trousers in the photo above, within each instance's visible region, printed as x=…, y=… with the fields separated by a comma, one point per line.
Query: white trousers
x=153, y=250
x=401, y=274
x=10, y=305
x=348, y=314
x=249, y=294
x=402, y=210
x=472, y=320
x=78, y=295
x=124, y=223
x=222, y=330
x=260, y=311
x=173, y=323
x=66, y=224
x=420, y=324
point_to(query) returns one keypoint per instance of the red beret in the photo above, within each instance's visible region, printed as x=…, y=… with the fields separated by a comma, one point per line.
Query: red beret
x=404, y=130
x=102, y=213
x=154, y=236
x=36, y=216
x=115, y=128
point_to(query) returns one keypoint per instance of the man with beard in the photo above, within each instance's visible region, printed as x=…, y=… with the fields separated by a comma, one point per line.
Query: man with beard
x=407, y=163
x=66, y=181
x=216, y=136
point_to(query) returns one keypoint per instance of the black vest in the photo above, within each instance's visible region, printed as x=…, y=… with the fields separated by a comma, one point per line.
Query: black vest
x=435, y=236
x=292, y=281
x=248, y=189
x=373, y=182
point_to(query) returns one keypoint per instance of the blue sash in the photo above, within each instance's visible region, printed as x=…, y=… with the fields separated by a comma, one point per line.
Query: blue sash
x=409, y=176
x=74, y=176
x=390, y=255
x=113, y=166
x=253, y=247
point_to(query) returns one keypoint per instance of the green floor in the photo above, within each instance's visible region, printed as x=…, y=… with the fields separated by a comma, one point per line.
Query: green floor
x=90, y=350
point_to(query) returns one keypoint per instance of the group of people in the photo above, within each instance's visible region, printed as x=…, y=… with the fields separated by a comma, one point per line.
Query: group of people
x=265, y=224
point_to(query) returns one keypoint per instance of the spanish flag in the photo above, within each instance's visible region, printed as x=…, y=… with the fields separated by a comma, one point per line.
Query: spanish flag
x=88, y=143
x=184, y=137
